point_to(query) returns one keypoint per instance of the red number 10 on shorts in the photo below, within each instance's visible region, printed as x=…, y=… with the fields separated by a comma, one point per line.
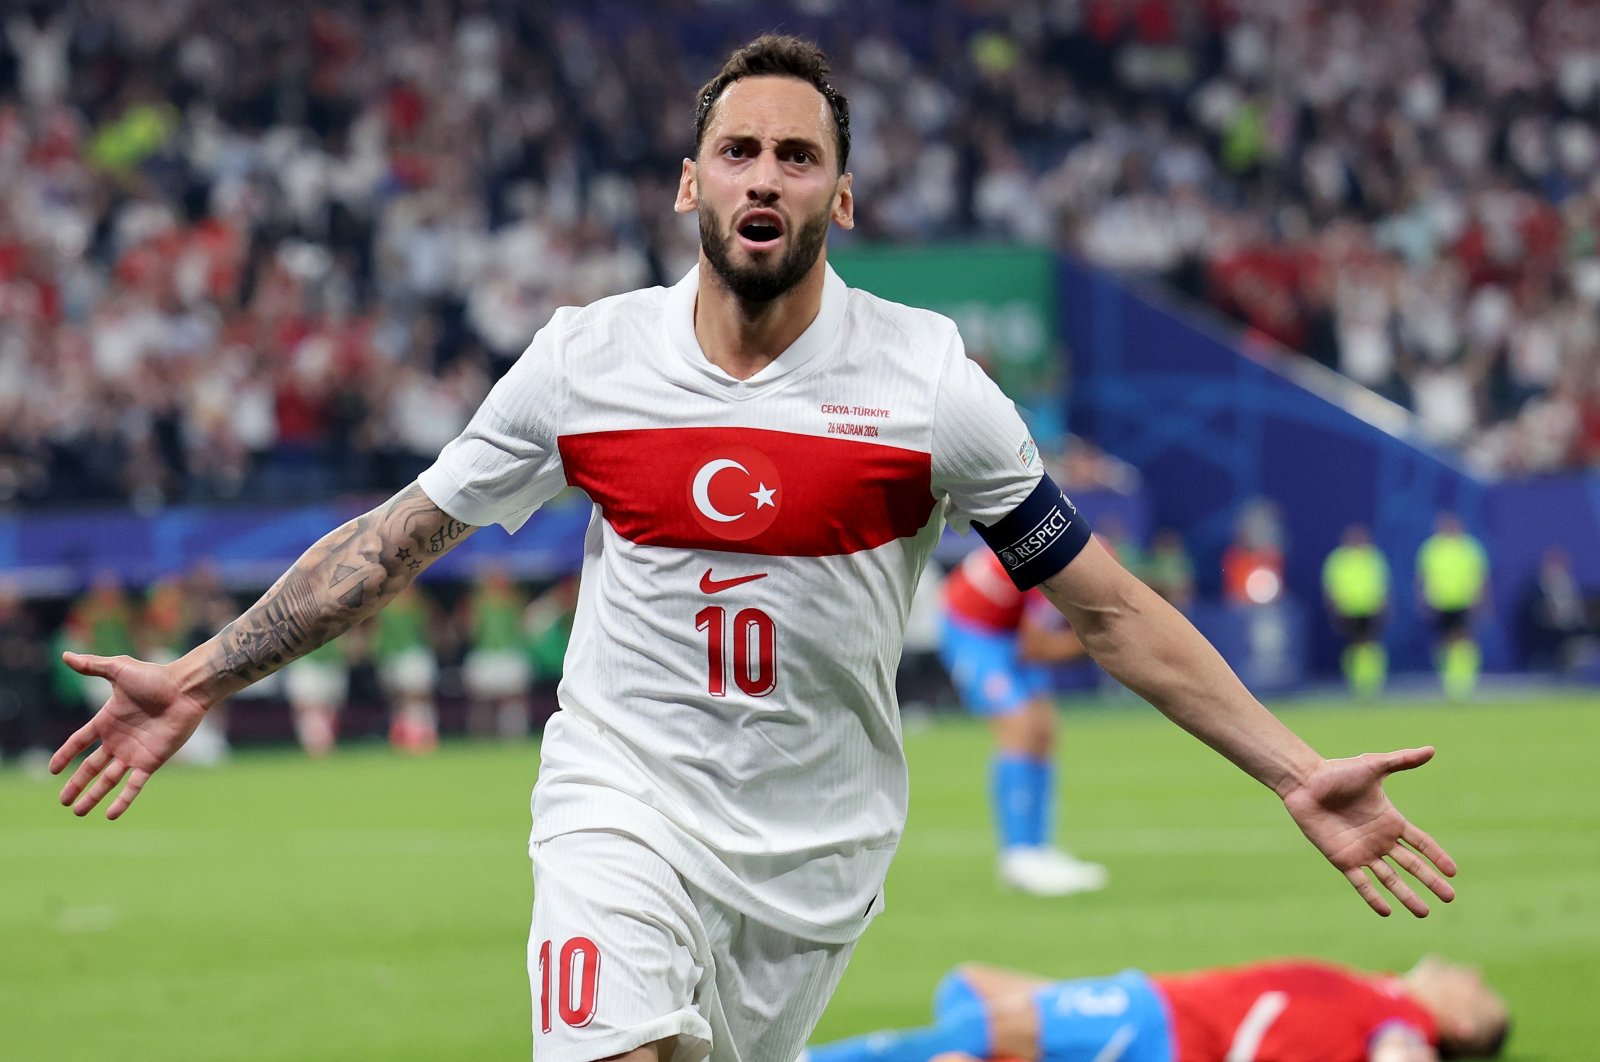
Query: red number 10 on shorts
x=575, y=978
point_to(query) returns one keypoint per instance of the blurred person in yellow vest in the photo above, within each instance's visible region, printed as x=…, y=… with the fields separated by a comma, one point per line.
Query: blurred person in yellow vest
x=1452, y=574
x=1355, y=583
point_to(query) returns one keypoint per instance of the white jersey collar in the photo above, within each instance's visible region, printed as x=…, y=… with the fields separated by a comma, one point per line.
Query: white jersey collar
x=815, y=339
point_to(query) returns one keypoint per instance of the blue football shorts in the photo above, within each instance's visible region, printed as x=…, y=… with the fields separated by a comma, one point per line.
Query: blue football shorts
x=1121, y=1017
x=987, y=673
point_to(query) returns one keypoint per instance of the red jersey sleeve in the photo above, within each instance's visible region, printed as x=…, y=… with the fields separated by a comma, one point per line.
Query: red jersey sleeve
x=980, y=593
x=1286, y=1012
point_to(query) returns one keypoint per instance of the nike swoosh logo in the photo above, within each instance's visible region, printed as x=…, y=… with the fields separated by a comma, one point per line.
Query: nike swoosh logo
x=709, y=585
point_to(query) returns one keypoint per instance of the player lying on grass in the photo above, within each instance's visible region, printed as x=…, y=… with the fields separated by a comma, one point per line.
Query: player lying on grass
x=1281, y=1011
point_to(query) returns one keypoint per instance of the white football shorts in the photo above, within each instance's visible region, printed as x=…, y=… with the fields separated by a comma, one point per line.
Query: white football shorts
x=317, y=683
x=491, y=674
x=624, y=952
x=411, y=671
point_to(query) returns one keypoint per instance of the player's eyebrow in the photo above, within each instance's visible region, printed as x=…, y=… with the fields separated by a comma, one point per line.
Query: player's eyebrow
x=803, y=143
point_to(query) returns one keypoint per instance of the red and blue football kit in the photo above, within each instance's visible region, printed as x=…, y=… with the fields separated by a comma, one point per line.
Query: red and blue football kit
x=1268, y=1012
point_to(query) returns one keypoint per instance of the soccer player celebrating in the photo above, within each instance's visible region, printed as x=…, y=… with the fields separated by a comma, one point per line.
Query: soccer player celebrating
x=772, y=457
x=997, y=642
x=1294, y=1011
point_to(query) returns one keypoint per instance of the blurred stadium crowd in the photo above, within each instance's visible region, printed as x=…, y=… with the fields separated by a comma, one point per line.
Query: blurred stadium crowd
x=275, y=250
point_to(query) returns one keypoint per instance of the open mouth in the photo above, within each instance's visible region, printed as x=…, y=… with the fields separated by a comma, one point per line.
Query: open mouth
x=761, y=228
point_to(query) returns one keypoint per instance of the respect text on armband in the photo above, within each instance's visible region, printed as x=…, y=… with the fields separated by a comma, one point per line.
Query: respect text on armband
x=1040, y=538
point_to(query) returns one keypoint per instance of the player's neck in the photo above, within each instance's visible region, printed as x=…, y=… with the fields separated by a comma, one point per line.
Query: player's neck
x=742, y=338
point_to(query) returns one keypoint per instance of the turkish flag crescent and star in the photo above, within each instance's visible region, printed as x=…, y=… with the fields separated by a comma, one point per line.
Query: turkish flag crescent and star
x=751, y=490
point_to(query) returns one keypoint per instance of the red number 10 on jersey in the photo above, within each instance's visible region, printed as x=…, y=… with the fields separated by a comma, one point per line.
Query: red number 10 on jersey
x=755, y=650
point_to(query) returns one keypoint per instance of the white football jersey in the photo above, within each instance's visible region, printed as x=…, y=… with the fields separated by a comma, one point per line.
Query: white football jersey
x=729, y=691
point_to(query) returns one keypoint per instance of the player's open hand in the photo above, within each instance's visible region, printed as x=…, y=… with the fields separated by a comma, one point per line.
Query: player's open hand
x=1342, y=808
x=144, y=722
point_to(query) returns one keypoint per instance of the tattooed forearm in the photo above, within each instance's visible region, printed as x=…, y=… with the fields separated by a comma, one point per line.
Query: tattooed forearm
x=279, y=630
x=337, y=583
x=446, y=536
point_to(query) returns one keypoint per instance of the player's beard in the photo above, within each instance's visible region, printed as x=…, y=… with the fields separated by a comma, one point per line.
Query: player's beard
x=761, y=284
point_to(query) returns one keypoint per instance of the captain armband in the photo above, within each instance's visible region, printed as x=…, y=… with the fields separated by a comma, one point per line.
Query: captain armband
x=1039, y=537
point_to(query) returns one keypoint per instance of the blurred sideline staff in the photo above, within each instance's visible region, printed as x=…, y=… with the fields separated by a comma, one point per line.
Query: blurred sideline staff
x=1355, y=584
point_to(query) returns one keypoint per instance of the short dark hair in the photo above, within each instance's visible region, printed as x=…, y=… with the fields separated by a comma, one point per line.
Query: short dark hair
x=1484, y=1043
x=777, y=55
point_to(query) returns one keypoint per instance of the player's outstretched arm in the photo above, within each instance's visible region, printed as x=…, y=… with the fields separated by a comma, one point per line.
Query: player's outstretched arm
x=344, y=578
x=1148, y=646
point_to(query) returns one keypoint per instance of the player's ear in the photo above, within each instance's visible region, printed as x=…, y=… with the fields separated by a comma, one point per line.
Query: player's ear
x=844, y=203
x=688, y=189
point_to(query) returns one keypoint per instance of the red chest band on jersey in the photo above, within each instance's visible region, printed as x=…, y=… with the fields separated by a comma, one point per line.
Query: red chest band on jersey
x=751, y=490
x=1039, y=537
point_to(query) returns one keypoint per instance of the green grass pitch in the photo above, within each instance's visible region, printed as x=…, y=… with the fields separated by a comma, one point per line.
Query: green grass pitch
x=371, y=907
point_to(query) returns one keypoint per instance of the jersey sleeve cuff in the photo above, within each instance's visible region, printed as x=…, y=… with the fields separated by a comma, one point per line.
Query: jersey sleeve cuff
x=443, y=490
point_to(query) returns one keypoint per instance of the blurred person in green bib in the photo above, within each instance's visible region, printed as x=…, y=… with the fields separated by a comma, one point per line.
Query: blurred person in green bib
x=1452, y=574
x=548, y=623
x=496, y=671
x=318, y=688
x=408, y=668
x=100, y=621
x=1355, y=583
x=1169, y=571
